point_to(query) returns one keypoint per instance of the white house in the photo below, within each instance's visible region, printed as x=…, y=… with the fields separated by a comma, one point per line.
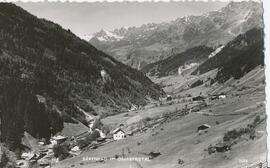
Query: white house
x=58, y=139
x=118, y=134
x=27, y=155
x=222, y=96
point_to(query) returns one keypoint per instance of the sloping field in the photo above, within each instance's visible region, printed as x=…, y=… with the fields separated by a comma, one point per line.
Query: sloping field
x=179, y=139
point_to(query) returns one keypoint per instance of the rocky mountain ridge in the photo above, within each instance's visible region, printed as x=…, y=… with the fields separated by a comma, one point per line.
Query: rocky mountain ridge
x=139, y=46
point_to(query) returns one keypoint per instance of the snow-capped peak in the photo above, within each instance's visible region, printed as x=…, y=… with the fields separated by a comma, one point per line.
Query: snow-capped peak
x=105, y=35
x=87, y=37
x=110, y=34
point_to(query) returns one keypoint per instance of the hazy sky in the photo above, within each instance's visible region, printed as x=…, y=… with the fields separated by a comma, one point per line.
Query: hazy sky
x=87, y=18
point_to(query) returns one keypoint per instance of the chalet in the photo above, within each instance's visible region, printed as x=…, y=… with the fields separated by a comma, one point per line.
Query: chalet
x=154, y=154
x=223, y=147
x=58, y=139
x=169, y=98
x=222, y=96
x=75, y=151
x=203, y=127
x=198, y=98
x=118, y=134
x=27, y=155
x=219, y=96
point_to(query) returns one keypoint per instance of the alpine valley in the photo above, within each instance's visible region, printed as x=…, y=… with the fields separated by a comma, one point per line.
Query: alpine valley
x=189, y=93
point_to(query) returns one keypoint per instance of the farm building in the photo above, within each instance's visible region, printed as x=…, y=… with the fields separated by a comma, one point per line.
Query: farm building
x=118, y=134
x=198, y=98
x=222, y=96
x=58, y=139
x=223, y=148
x=203, y=127
x=169, y=98
x=219, y=96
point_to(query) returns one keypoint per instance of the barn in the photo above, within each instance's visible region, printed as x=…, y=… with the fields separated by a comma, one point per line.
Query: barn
x=203, y=127
x=198, y=98
x=169, y=98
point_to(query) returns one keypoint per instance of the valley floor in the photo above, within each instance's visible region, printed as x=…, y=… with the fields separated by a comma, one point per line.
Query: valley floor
x=177, y=139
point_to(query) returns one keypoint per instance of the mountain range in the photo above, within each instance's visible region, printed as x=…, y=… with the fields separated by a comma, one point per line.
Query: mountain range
x=139, y=46
x=234, y=59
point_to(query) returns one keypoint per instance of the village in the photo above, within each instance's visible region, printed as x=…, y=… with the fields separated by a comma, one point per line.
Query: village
x=60, y=147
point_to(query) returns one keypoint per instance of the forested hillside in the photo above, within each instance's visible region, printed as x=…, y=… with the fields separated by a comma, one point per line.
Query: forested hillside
x=238, y=57
x=47, y=71
x=171, y=65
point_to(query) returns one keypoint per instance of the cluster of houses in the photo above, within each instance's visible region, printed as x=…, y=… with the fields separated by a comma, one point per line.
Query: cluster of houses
x=44, y=157
x=58, y=139
x=212, y=97
x=218, y=96
x=116, y=134
x=41, y=155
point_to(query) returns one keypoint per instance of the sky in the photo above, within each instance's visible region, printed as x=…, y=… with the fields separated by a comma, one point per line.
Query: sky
x=87, y=18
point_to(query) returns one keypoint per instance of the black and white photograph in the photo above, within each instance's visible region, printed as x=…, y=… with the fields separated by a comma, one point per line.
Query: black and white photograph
x=133, y=84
